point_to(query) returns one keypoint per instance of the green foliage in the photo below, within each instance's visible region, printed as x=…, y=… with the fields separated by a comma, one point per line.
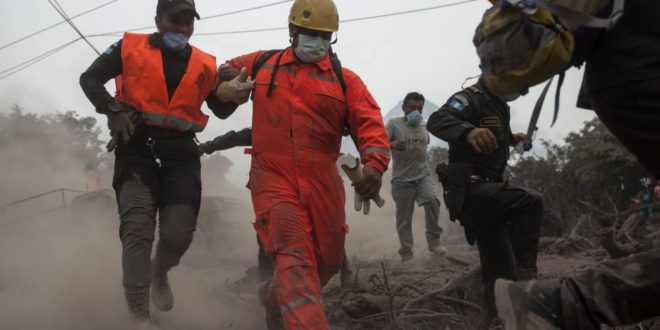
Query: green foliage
x=437, y=155
x=591, y=166
x=60, y=134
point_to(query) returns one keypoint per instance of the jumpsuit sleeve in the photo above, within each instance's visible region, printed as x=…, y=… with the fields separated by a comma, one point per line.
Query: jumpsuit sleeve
x=366, y=123
x=246, y=61
x=451, y=122
x=107, y=66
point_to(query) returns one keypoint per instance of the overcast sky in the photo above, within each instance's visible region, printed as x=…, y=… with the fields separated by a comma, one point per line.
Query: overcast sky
x=430, y=52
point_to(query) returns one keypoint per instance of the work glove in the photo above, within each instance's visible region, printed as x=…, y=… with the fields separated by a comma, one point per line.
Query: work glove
x=367, y=189
x=227, y=73
x=121, y=122
x=236, y=90
x=364, y=204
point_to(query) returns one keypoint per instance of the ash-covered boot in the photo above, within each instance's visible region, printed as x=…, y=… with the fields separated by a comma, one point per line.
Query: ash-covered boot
x=137, y=299
x=161, y=292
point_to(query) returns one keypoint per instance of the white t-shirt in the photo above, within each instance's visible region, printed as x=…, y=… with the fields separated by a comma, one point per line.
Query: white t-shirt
x=411, y=164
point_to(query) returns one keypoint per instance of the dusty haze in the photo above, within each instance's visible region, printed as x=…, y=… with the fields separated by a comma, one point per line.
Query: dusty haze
x=61, y=270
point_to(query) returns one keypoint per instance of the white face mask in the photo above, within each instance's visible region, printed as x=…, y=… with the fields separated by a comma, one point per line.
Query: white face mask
x=175, y=41
x=311, y=49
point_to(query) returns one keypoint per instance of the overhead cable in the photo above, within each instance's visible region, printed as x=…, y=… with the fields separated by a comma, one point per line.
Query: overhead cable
x=114, y=34
x=55, y=25
x=61, y=11
x=119, y=32
x=24, y=65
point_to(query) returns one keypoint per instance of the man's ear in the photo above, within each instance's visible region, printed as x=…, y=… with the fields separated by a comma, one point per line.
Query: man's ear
x=157, y=20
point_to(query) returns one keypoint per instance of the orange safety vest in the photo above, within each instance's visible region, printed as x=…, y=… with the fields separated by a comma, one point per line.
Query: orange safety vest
x=142, y=85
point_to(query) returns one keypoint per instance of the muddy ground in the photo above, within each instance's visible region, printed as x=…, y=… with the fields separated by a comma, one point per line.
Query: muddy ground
x=61, y=270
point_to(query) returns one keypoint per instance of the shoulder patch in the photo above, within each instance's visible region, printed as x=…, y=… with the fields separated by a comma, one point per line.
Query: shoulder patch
x=111, y=49
x=458, y=102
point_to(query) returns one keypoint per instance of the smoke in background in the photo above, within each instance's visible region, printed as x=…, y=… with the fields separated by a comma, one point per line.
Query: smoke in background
x=61, y=269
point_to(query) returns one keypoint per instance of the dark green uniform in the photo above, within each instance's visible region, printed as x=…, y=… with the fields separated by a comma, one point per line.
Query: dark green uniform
x=504, y=220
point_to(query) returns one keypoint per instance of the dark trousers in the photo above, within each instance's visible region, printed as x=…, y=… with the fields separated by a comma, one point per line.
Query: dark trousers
x=619, y=292
x=143, y=190
x=632, y=113
x=506, y=221
x=622, y=291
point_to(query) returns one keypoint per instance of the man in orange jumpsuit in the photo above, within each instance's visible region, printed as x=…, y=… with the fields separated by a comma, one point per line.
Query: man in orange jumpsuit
x=300, y=109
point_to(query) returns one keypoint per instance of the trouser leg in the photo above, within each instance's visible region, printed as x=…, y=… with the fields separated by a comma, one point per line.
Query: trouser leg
x=179, y=206
x=404, y=195
x=427, y=198
x=264, y=262
x=177, y=225
x=614, y=293
x=295, y=285
x=136, y=187
x=496, y=257
x=632, y=113
x=525, y=232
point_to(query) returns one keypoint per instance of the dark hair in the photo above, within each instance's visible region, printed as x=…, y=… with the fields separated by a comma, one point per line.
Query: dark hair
x=413, y=96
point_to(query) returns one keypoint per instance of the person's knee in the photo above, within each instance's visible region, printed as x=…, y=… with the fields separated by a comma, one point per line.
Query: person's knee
x=137, y=232
x=177, y=226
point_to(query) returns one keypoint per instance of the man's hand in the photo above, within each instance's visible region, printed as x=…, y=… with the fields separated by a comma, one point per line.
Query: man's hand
x=398, y=145
x=482, y=140
x=369, y=186
x=227, y=72
x=236, y=90
x=120, y=126
x=519, y=138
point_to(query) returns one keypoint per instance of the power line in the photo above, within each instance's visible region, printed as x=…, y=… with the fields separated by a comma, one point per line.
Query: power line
x=115, y=33
x=341, y=21
x=56, y=24
x=24, y=65
x=51, y=52
x=61, y=11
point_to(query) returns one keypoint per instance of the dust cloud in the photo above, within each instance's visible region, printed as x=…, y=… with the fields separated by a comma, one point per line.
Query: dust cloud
x=61, y=269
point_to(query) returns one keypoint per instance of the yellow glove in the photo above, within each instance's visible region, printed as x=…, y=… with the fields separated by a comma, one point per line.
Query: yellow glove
x=236, y=90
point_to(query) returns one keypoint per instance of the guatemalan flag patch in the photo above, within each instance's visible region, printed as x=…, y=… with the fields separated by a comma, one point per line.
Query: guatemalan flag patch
x=458, y=102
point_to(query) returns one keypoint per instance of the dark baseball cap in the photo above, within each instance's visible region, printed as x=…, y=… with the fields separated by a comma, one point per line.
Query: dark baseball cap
x=173, y=7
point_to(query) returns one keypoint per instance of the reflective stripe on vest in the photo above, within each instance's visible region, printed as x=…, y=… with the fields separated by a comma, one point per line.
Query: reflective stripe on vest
x=142, y=85
x=371, y=150
x=299, y=302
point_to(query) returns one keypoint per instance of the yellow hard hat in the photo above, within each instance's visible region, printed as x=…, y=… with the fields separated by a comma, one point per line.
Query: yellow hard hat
x=320, y=15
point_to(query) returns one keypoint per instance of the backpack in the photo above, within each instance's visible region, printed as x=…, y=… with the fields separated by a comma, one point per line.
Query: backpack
x=527, y=42
x=519, y=50
x=336, y=68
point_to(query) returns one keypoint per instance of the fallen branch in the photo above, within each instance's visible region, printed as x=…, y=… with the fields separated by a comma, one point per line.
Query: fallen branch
x=451, y=285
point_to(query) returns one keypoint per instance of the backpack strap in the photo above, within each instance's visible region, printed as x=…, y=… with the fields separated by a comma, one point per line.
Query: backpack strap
x=336, y=67
x=584, y=19
x=259, y=62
